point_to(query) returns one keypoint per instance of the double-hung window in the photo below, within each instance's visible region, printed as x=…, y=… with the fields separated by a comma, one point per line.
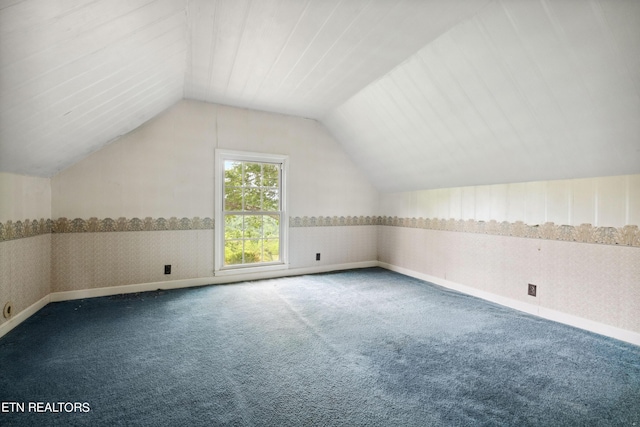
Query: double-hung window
x=251, y=220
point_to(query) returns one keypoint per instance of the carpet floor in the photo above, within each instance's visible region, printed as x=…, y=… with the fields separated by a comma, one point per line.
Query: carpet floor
x=356, y=348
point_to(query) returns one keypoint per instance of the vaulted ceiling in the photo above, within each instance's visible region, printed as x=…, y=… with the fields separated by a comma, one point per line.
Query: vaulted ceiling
x=421, y=93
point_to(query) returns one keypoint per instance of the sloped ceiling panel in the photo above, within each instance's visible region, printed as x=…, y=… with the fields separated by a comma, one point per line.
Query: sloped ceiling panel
x=306, y=57
x=422, y=93
x=524, y=91
x=77, y=74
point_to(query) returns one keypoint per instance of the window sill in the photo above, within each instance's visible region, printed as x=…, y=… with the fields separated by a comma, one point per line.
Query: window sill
x=230, y=271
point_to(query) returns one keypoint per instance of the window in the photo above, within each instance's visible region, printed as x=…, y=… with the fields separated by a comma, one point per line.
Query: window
x=251, y=220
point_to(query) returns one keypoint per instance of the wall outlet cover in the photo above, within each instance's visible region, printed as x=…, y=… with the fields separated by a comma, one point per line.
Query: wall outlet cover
x=8, y=310
x=532, y=290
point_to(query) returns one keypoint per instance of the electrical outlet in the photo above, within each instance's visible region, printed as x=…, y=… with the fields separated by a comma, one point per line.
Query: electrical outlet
x=8, y=310
x=532, y=290
x=167, y=269
x=318, y=256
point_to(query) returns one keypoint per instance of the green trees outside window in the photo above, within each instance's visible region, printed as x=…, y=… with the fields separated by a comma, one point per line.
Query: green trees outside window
x=252, y=212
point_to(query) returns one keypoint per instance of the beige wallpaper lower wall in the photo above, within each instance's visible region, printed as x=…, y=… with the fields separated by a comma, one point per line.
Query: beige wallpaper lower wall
x=97, y=260
x=86, y=260
x=591, y=281
x=600, y=282
x=25, y=271
x=336, y=245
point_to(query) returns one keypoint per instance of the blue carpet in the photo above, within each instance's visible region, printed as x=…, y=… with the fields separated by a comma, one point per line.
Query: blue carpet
x=356, y=348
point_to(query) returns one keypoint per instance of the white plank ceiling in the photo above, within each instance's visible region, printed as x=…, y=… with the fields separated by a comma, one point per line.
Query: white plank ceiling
x=421, y=93
x=76, y=74
x=306, y=57
x=523, y=91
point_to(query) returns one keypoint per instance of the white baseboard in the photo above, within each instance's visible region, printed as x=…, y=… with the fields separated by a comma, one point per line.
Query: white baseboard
x=202, y=281
x=23, y=315
x=172, y=284
x=545, y=313
x=589, y=325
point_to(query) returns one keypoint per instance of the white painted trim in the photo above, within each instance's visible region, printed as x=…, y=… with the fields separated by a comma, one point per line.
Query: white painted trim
x=203, y=281
x=24, y=315
x=536, y=310
x=220, y=156
x=545, y=313
x=233, y=271
x=172, y=284
x=128, y=289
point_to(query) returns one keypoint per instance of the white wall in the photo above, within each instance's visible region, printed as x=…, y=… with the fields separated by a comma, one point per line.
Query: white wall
x=602, y=202
x=589, y=282
x=165, y=167
x=594, y=284
x=24, y=197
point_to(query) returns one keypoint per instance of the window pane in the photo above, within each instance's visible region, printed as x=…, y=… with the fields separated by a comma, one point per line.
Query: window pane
x=253, y=174
x=252, y=199
x=233, y=173
x=270, y=175
x=271, y=226
x=252, y=250
x=232, y=227
x=253, y=226
x=271, y=200
x=250, y=187
x=232, y=199
x=271, y=250
x=233, y=252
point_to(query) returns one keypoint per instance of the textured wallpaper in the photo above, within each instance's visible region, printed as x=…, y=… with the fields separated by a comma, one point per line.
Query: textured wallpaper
x=628, y=235
x=584, y=270
x=592, y=281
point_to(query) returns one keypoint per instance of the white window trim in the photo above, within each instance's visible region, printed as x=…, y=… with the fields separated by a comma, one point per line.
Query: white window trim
x=245, y=156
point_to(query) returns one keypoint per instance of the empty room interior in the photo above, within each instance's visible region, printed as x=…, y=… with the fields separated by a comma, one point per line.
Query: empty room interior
x=320, y=212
